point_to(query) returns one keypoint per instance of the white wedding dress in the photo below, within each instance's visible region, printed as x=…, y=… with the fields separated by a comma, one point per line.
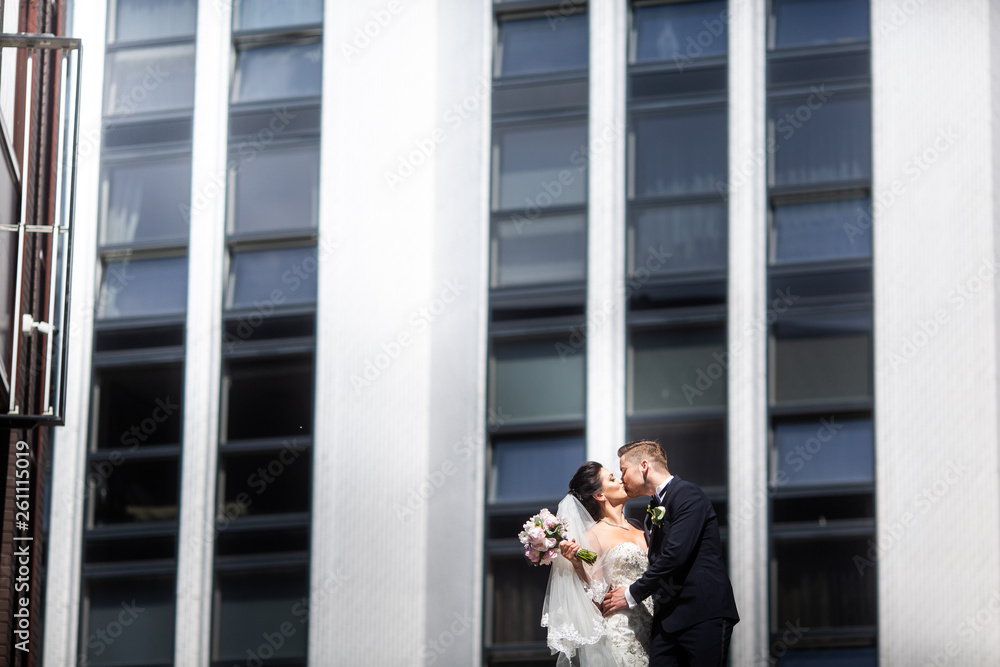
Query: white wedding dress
x=576, y=629
x=627, y=631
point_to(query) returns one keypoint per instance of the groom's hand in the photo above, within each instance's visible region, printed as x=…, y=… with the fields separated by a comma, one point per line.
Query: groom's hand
x=614, y=601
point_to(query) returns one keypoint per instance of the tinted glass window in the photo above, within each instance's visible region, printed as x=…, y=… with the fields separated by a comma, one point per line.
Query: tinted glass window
x=680, y=153
x=251, y=607
x=139, y=406
x=815, y=22
x=283, y=276
x=817, y=231
x=133, y=491
x=268, y=14
x=543, y=45
x=518, y=593
x=677, y=369
x=822, y=139
x=542, y=167
x=269, y=399
x=819, y=584
x=147, y=201
x=537, y=380
x=274, y=482
x=536, y=468
x=680, y=32
x=142, y=19
x=277, y=72
x=143, y=287
x=831, y=450
x=822, y=359
x=159, y=78
x=544, y=250
x=680, y=238
x=276, y=189
x=146, y=605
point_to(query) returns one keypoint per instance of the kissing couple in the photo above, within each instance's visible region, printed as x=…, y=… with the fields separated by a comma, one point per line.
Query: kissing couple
x=654, y=597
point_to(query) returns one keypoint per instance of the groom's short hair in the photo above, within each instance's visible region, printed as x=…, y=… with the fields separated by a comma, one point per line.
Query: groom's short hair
x=649, y=450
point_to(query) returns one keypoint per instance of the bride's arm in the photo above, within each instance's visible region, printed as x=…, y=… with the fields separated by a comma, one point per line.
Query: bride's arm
x=568, y=550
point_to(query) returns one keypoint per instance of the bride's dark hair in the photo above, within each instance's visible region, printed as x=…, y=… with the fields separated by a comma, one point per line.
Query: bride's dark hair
x=585, y=484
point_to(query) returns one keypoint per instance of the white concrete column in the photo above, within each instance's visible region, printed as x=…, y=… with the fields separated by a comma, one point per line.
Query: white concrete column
x=936, y=300
x=203, y=345
x=69, y=492
x=379, y=304
x=606, y=304
x=747, y=327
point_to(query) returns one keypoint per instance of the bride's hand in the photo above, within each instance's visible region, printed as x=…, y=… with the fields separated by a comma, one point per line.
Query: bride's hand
x=568, y=549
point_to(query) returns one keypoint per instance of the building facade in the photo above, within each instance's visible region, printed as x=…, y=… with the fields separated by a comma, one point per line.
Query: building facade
x=359, y=285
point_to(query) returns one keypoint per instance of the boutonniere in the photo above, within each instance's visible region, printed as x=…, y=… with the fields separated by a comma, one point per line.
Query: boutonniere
x=657, y=512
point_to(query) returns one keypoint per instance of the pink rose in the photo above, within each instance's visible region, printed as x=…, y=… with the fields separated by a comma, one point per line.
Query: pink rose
x=550, y=521
x=531, y=554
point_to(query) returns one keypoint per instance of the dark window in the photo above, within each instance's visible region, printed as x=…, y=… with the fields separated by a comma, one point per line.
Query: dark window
x=680, y=152
x=695, y=450
x=147, y=201
x=679, y=32
x=275, y=277
x=839, y=657
x=817, y=22
x=276, y=189
x=821, y=230
x=679, y=238
x=534, y=468
x=270, y=14
x=129, y=621
x=275, y=482
x=133, y=491
x=518, y=593
x=542, y=45
x=138, y=407
x=819, y=583
x=252, y=607
x=541, y=167
x=143, y=287
x=159, y=78
x=544, y=250
x=822, y=138
x=137, y=20
x=677, y=369
x=822, y=359
x=277, y=72
x=540, y=379
x=829, y=450
x=268, y=399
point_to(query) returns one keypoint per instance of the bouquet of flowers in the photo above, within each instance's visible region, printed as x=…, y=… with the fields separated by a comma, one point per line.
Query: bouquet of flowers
x=540, y=536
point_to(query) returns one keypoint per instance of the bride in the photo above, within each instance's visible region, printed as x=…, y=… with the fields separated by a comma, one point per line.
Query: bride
x=595, y=514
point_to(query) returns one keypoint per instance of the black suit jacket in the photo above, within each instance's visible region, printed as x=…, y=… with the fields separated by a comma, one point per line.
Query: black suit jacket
x=687, y=575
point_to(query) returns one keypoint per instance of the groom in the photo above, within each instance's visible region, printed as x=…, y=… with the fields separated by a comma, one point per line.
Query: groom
x=694, y=610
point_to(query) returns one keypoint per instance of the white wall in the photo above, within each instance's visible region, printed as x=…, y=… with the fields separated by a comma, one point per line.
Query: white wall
x=935, y=333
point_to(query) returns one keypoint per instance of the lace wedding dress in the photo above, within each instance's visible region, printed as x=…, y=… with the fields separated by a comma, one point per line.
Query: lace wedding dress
x=576, y=629
x=627, y=631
